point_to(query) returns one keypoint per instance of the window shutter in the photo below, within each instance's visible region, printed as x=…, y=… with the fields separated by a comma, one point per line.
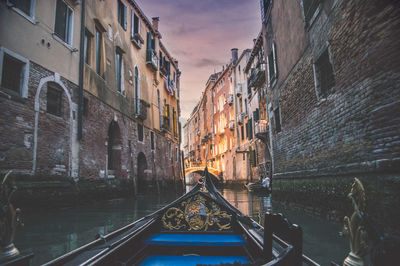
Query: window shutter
x=125, y=16
x=132, y=24
x=275, y=61
x=148, y=44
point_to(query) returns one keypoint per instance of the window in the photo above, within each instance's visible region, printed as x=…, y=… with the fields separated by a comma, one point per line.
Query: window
x=119, y=69
x=277, y=120
x=98, y=50
x=63, y=23
x=256, y=115
x=323, y=74
x=177, y=154
x=25, y=6
x=242, y=132
x=121, y=9
x=249, y=126
x=265, y=4
x=140, y=132
x=54, y=98
x=272, y=65
x=135, y=27
x=86, y=48
x=309, y=8
x=14, y=72
x=152, y=140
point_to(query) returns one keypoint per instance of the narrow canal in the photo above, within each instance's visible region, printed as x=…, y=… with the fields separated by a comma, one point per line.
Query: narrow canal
x=52, y=233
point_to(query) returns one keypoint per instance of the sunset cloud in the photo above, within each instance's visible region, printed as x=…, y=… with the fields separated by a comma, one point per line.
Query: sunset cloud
x=200, y=34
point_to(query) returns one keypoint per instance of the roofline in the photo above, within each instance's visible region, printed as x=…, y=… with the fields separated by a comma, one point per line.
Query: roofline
x=254, y=50
x=153, y=31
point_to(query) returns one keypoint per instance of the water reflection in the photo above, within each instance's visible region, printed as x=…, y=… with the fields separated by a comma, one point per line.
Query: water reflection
x=52, y=233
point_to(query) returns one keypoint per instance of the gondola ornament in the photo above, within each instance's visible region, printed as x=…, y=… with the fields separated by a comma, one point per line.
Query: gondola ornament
x=354, y=228
x=9, y=219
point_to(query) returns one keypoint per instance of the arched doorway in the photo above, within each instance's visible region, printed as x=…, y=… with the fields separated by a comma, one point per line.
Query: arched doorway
x=50, y=153
x=114, y=150
x=141, y=176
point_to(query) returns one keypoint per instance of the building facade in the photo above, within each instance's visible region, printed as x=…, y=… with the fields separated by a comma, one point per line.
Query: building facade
x=333, y=98
x=115, y=119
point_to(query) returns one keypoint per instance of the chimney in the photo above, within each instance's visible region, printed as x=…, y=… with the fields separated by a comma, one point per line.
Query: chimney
x=234, y=55
x=155, y=23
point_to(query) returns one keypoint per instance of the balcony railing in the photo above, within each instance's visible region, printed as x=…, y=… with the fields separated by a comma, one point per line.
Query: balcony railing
x=257, y=76
x=165, y=124
x=232, y=124
x=261, y=129
x=137, y=40
x=230, y=99
x=164, y=70
x=239, y=90
x=152, y=59
x=141, y=109
x=240, y=118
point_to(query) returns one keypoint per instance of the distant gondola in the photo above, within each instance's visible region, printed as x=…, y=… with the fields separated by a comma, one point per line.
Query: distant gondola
x=199, y=228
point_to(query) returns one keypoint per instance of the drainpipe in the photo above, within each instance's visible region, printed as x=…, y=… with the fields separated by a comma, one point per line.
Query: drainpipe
x=81, y=69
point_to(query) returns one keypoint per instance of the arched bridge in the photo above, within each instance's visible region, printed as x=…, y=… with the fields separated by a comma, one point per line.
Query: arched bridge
x=200, y=170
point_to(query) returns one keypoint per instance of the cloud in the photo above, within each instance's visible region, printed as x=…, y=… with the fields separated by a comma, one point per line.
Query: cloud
x=207, y=62
x=200, y=34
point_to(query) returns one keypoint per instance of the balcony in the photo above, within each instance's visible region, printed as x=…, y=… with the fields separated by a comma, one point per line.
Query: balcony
x=164, y=70
x=261, y=129
x=230, y=99
x=141, y=109
x=240, y=118
x=232, y=124
x=151, y=59
x=257, y=77
x=239, y=90
x=137, y=40
x=165, y=127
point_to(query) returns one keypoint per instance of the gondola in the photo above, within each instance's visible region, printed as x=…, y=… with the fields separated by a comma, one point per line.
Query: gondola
x=257, y=187
x=199, y=228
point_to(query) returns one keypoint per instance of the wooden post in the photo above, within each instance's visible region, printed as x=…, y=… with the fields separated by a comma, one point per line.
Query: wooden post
x=297, y=242
x=267, y=236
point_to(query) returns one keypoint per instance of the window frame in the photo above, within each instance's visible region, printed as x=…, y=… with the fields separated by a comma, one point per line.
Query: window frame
x=119, y=71
x=68, y=42
x=308, y=23
x=23, y=92
x=122, y=21
x=87, y=49
x=272, y=77
x=32, y=10
x=322, y=95
x=98, y=46
x=59, y=91
x=138, y=132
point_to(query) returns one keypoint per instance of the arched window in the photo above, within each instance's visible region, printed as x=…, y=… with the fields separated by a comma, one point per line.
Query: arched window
x=137, y=90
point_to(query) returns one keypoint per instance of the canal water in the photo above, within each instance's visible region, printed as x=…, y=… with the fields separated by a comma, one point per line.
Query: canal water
x=51, y=233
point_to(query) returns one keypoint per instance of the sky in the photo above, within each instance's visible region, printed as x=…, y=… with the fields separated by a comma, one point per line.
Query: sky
x=200, y=35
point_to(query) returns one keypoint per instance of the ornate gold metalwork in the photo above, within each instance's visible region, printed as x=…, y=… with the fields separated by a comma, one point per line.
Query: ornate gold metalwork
x=9, y=219
x=196, y=214
x=353, y=226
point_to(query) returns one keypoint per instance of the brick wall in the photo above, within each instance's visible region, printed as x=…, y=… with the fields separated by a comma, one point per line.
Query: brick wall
x=357, y=128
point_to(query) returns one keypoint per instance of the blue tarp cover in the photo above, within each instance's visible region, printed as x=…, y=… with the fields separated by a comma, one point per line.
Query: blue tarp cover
x=191, y=260
x=196, y=240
